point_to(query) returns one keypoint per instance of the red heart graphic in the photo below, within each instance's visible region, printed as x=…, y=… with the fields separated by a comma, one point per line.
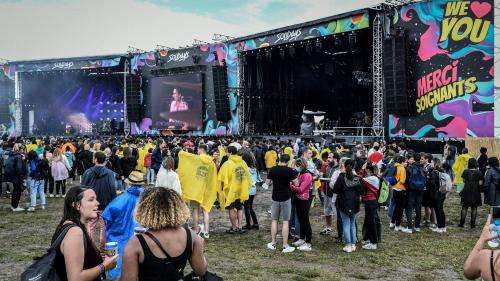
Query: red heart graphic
x=480, y=9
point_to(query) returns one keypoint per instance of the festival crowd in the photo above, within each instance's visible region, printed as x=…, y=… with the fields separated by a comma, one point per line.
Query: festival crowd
x=154, y=197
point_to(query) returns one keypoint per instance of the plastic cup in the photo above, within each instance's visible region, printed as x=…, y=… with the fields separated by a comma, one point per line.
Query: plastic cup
x=110, y=248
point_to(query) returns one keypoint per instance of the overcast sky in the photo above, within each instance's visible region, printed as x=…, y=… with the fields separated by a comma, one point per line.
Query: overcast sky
x=54, y=28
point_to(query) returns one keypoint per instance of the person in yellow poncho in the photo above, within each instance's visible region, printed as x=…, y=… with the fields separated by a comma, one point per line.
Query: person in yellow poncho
x=235, y=181
x=459, y=167
x=289, y=151
x=31, y=146
x=198, y=177
x=270, y=158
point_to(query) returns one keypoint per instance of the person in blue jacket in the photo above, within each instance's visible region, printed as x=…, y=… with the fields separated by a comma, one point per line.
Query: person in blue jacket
x=119, y=218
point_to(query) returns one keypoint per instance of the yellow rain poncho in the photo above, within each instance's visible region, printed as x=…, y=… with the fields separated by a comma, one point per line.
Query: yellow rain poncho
x=198, y=177
x=459, y=167
x=235, y=179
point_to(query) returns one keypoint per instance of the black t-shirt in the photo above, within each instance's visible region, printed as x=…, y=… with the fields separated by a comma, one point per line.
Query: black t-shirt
x=281, y=177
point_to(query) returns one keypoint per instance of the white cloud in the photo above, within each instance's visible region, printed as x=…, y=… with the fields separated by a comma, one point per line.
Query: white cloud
x=33, y=30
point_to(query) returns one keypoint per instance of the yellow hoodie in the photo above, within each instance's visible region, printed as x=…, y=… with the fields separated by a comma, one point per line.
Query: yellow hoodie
x=400, y=177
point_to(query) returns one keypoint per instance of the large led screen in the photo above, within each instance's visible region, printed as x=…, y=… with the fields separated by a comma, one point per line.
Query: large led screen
x=58, y=103
x=176, y=102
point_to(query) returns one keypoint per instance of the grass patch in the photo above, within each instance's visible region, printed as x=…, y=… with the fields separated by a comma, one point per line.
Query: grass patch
x=421, y=256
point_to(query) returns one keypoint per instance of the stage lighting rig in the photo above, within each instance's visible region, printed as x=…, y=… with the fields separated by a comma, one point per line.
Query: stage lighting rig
x=131, y=51
x=160, y=48
x=197, y=42
x=396, y=3
x=221, y=38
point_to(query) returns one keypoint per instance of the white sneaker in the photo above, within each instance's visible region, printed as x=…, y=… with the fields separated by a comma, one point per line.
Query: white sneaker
x=64, y=195
x=391, y=225
x=31, y=209
x=43, y=207
x=365, y=242
x=432, y=226
x=271, y=246
x=18, y=209
x=407, y=230
x=288, y=249
x=298, y=243
x=417, y=229
x=51, y=195
x=398, y=228
x=436, y=229
x=441, y=230
x=326, y=231
x=353, y=247
x=347, y=248
x=305, y=247
x=370, y=246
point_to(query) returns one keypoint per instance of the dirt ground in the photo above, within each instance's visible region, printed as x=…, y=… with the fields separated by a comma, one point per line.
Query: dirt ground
x=419, y=256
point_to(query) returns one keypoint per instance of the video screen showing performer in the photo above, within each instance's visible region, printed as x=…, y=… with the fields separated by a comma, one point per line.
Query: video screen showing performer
x=176, y=102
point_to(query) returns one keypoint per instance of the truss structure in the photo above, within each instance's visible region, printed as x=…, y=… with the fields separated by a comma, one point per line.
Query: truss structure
x=378, y=78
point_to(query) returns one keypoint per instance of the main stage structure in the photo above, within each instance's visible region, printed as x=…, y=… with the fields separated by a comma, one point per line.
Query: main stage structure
x=395, y=70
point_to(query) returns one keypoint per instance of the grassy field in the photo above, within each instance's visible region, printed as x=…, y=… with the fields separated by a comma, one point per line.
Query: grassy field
x=422, y=256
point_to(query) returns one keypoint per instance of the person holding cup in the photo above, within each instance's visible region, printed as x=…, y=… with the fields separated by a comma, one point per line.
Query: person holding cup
x=78, y=258
x=482, y=261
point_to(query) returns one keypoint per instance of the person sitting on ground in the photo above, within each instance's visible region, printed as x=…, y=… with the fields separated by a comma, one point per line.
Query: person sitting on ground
x=483, y=262
x=77, y=258
x=163, y=251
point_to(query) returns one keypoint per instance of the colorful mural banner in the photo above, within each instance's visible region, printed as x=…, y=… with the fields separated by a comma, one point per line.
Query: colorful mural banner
x=453, y=70
x=11, y=68
x=337, y=26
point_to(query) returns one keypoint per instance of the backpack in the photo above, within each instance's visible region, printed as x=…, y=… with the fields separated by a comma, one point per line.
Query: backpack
x=43, y=268
x=35, y=169
x=384, y=192
x=390, y=175
x=416, y=178
x=445, y=183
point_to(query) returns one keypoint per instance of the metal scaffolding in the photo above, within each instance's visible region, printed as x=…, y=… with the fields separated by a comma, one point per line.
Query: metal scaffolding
x=378, y=78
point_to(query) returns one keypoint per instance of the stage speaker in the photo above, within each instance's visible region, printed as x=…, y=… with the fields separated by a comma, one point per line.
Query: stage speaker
x=398, y=99
x=133, y=94
x=221, y=94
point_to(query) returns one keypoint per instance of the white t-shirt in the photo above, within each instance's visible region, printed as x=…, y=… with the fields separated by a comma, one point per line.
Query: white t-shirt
x=168, y=179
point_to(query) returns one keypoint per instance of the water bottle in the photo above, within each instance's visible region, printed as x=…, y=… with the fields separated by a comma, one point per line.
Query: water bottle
x=495, y=232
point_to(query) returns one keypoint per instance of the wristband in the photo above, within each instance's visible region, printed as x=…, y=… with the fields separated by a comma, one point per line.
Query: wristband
x=102, y=269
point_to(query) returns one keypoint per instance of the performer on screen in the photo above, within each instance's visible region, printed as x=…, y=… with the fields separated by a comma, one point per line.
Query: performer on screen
x=178, y=104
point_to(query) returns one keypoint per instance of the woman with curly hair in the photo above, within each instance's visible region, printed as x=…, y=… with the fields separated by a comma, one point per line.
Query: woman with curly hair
x=163, y=251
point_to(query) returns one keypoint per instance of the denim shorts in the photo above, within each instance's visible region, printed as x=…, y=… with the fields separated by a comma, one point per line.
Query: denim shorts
x=281, y=210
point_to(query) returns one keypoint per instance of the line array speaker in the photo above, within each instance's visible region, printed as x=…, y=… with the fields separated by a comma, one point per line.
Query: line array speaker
x=221, y=94
x=133, y=93
x=398, y=98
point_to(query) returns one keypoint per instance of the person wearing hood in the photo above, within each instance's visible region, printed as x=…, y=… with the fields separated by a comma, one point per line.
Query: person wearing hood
x=119, y=218
x=235, y=181
x=101, y=180
x=459, y=167
x=491, y=183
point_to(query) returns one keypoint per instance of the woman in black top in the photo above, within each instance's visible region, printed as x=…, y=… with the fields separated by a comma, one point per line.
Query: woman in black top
x=77, y=258
x=470, y=196
x=162, y=252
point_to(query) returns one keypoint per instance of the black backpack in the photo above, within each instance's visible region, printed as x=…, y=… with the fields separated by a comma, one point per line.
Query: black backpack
x=44, y=268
